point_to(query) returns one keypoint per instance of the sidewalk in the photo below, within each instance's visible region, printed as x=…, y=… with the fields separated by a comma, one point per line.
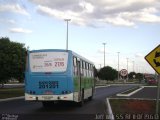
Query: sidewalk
x=13, y=98
x=12, y=85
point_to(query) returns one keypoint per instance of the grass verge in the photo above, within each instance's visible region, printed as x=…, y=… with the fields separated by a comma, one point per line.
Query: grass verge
x=133, y=106
x=11, y=92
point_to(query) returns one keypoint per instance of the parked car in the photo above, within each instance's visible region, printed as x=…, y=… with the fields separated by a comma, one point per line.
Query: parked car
x=152, y=81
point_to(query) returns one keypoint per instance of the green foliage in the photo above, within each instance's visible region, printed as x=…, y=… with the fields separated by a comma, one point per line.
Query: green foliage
x=139, y=76
x=11, y=92
x=12, y=60
x=95, y=71
x=107, y=73
x=131, y=74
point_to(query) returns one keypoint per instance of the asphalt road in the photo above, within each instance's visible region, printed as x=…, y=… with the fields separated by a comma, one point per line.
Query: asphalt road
x=146, y=93
x=64, y=110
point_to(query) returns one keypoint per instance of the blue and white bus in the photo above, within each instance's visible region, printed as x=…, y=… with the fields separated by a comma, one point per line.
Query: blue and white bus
x=58, y=75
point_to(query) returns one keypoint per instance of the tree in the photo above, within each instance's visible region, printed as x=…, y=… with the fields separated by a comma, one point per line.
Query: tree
x=131, y=74
x=139, y=76
x=107, y=73
x=95, y=71
x=12, y=60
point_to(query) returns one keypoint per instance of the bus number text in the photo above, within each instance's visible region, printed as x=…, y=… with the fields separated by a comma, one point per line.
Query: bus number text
x=59, y=64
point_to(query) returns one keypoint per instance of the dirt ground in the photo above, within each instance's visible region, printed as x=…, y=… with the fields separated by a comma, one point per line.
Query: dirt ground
x=134, y=109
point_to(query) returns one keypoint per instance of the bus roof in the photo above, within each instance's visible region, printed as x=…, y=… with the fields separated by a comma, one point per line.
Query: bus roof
x=62, y=50
x=83, y=58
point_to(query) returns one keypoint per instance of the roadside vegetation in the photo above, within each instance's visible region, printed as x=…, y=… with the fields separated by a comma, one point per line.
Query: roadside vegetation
x=12, y=60
x=110, y=75
x=11, y=92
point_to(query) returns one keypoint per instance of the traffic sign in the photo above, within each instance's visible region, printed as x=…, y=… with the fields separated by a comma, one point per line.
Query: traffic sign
x=153, y=58
x=123, y=72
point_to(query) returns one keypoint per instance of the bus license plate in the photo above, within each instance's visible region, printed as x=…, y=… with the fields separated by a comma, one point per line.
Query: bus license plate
x=48, y=84
x=47, y=97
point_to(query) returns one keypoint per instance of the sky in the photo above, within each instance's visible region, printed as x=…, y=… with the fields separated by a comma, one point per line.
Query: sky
x=130, y=27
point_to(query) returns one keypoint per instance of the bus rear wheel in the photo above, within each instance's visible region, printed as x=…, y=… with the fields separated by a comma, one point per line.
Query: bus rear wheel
x=91, y=97
x=82, y=99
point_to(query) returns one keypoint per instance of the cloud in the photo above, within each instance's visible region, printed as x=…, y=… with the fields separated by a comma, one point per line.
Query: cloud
x=75, y=17
x=49, y=12
x=139, y=55
x=86, y=12
x=19, y=30
x=15, y=8
x=11, y=21
x=119, y=21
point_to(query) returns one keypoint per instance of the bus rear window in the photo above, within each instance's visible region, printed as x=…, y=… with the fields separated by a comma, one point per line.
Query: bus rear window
x=48, y=61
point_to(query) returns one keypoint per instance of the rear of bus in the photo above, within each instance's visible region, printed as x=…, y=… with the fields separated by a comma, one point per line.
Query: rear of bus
x=48, y=76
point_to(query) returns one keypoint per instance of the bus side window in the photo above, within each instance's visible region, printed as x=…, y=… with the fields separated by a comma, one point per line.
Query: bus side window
x=89, y=70
x=81, y=67
x=75, y=66
x=92, y=71
x=84, y=71
x=74, y=61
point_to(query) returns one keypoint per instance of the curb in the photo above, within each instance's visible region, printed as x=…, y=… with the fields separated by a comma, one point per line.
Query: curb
x=109, y=110
x=127, y=95
x=18, y=84
x=9, y=99
x=102, y=86
x=134, y=98
x=150, y=86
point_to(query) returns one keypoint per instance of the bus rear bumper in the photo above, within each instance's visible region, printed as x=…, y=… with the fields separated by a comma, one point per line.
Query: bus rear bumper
x=66, y=97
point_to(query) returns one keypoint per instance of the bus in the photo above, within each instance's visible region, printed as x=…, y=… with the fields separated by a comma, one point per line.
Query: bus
x=54, y=75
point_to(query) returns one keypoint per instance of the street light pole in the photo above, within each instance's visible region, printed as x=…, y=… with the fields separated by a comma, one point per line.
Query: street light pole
x=158, y=91
x=100, y=66
x=133, y=66
x=118, y=65
x=127, y=69
x=67, y=33
x=104, y=53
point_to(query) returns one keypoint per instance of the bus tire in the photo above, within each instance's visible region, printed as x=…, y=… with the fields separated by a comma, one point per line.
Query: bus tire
x=82, y=99
x=91, y=97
